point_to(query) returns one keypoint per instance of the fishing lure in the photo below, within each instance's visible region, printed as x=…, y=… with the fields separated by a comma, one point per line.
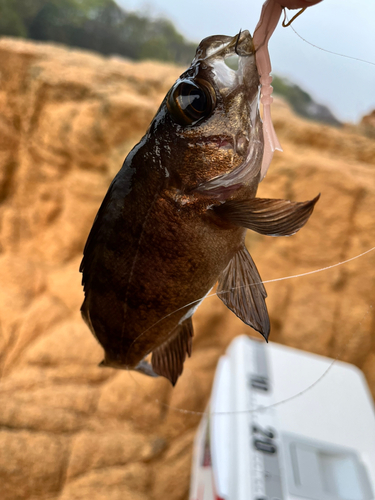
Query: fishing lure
x=269, y=18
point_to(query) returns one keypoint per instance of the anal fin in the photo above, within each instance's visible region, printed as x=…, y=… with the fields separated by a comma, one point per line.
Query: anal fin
x=267, y=216
x=242, y=291
x=168, y=359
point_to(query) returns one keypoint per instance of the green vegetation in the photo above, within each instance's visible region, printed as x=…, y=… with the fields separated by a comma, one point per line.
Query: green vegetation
x=298, y=98
x=302, y=103
x=99, y=25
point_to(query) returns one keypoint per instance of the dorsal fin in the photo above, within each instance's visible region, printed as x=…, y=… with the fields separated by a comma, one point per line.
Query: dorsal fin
x=168, y=359
x=266, y=216
x=242, y=291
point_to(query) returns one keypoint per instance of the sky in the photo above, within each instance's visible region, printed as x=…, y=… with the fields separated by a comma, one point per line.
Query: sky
x=347, y=27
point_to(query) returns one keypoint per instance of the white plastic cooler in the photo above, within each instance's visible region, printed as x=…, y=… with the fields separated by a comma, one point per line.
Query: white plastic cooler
x=319, y=444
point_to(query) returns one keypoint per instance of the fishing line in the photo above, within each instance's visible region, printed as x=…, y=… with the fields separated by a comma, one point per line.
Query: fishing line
x=239, y=412
x=317, y=46
x=311, y=386
x=278, y=403
x=318, y=270
x=300, y=275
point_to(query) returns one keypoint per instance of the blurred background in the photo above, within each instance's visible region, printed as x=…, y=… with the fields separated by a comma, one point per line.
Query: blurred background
x=80, y=81
x=170, y=31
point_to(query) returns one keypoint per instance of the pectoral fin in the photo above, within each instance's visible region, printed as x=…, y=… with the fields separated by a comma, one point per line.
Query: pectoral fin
x=168, y=359
x=241, y=289
x=266, y=216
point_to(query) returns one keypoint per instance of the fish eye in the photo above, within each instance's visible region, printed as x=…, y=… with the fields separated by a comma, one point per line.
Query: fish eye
x=190, y=101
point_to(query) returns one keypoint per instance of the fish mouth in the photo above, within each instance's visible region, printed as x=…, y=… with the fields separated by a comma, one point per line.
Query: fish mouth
x=238, y=144
x=214, y=51
x=221, y=47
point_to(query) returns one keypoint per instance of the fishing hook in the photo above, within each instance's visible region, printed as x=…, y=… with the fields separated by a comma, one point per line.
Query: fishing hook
x=293, y=18
x=238, y=39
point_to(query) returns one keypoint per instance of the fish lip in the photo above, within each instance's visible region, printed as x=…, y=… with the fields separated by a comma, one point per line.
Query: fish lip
x=244, y=45
x=222, y=47
x=222, y=142
x=214, y=50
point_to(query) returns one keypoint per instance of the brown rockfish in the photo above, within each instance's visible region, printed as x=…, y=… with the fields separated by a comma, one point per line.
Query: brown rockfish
x=174, y=219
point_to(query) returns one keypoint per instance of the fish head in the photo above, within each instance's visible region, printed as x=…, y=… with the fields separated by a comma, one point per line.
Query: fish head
x=208, y=129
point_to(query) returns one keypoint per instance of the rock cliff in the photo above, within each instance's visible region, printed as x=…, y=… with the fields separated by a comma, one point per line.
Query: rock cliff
x=68, y=429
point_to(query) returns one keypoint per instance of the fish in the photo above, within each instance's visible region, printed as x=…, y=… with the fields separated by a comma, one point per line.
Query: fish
x=174, y=219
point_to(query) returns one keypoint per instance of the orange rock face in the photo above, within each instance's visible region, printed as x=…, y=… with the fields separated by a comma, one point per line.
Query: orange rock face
x=368, y=124
x=68, y=429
